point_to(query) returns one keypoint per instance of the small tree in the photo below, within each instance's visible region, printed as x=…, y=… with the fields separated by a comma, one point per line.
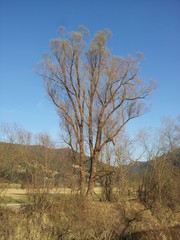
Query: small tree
x=160, y=181
x=114, y=167
x=14, y=151
x=92, y=91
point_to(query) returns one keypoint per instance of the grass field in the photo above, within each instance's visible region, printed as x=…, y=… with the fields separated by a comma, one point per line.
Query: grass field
x=18, y=195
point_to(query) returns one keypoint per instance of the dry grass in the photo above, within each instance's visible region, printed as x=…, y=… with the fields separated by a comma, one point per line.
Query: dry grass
x=16, y=193
x=70, y=218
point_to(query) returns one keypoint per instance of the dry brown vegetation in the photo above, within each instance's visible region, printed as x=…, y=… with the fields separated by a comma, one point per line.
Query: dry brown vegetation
x=70, y=218
x=124, y=205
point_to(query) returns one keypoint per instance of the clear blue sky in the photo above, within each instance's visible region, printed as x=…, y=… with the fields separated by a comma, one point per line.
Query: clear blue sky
x=151, y=27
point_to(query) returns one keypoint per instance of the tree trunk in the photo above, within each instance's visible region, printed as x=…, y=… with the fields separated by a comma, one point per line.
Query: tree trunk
x=82, y=171
x=92, y=174
x=83, y=181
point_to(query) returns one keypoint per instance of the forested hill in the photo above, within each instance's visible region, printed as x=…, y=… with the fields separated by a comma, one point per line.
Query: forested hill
x=17, y=160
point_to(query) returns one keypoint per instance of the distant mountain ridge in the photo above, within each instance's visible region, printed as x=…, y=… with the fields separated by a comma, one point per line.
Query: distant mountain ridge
x=62, y=158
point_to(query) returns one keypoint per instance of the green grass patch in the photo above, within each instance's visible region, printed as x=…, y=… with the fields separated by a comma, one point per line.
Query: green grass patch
x=15, y=199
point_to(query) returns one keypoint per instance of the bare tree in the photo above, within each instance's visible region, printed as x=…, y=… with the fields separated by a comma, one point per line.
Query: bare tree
x=162, y=174
x=115, y=164
x=92, y=91
x=13, y=150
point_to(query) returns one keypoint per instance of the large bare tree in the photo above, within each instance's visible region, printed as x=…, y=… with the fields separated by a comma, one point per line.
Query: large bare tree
x=93, y=91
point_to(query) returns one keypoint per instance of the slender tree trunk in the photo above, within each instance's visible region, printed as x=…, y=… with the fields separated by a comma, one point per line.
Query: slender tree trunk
x=82, y=180
x=82, y=166
x=92, y=174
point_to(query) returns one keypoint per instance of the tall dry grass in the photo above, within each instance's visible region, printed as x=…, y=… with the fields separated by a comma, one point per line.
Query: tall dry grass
x=70, y=218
